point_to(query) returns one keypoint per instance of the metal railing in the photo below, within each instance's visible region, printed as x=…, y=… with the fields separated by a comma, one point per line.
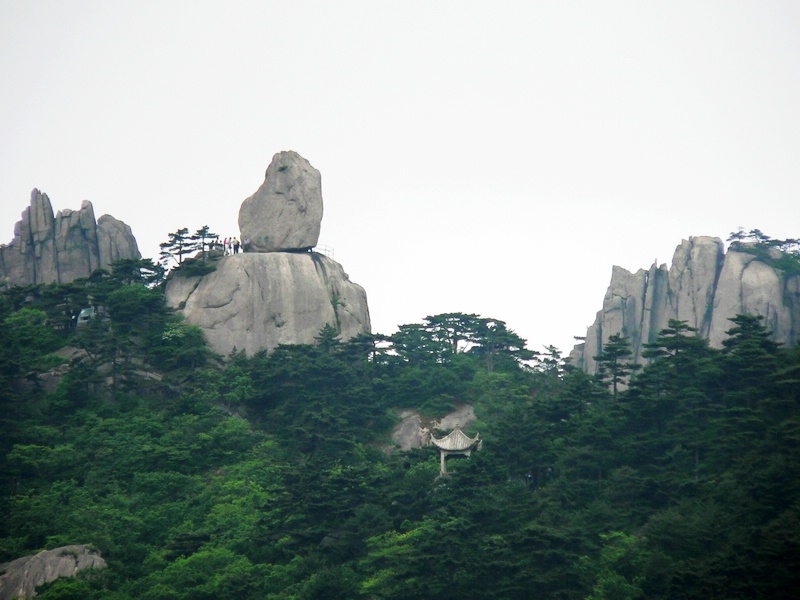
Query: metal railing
x=323, y=249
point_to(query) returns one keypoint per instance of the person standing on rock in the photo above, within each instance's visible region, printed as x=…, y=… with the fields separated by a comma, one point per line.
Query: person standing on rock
x=225, y=247
x=236, y=245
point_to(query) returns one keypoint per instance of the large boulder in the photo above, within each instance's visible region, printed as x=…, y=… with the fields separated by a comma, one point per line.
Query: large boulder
x=19, y=578
x=285, y=213
x=60, y=249
x=261, y=300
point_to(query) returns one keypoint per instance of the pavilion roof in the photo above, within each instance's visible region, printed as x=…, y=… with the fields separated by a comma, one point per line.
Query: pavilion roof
x=455, y=440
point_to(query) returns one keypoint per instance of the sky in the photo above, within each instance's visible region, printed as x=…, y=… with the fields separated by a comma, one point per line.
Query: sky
x=495, y=157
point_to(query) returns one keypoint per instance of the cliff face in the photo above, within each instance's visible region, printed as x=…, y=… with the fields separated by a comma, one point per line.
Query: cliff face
x=64, y=247
x=257, y=301
x=704, y=287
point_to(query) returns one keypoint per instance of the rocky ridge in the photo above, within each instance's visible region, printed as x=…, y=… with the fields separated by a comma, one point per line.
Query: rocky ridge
x=705, y=286
x=64, y=247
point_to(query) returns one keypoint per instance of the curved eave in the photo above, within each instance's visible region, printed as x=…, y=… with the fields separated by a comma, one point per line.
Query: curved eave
x=455, y=441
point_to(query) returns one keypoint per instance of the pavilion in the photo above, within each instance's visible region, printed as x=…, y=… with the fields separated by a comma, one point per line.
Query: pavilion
x=455, y=442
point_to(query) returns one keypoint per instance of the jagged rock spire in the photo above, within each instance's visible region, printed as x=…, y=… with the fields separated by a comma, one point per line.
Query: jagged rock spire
x=64, y=247
x=705, y=287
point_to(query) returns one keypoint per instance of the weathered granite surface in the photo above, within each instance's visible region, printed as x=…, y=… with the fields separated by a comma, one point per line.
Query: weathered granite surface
x=285, y=213
x=277, y=291
x=258, y=301
x=705, y=286
x=64, y=247
x=19, y=578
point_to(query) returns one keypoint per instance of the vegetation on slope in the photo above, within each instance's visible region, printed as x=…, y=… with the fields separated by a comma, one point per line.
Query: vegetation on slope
x=267, y=476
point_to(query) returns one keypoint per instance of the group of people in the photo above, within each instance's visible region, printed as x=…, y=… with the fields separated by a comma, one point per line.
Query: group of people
x=230, y=246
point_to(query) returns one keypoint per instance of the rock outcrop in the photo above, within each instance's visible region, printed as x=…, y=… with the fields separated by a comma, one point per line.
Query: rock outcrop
x=705, y=286
x=285, y=213
x=257, y=301
x=19, y=578
x=64, y=247
x=414, y=432
x=277, y=291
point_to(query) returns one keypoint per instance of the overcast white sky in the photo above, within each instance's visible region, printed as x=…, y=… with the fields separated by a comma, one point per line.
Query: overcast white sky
x=488, y=157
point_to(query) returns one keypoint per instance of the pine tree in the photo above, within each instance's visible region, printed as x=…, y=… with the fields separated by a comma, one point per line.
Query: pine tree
x=328, y=339
x=137, y=270
x=178, y=245
x=613, y=366
x=199, y=238
x=751, y=356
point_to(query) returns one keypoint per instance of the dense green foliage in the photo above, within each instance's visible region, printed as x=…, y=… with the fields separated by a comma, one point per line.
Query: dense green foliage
x=268, y=476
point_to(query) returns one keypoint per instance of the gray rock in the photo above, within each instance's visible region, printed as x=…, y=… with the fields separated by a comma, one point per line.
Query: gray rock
x=462, y=417
x=60, y=249
x=623, y=306
x=408, y=434
x=261, y=300
x=704, y=287
x=692, y=280
x=285, y=213
x=414, y=432
x=632, y=306
x=748, y=285
x=656, y=304
x=115, y=241
x=19, y=578
x=179, y=289
x=76, y=242
x=34, y=243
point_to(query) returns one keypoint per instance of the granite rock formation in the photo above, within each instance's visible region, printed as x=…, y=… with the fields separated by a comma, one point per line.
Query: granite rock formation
x=277, y=291
x=257, y=301
x=64, y=247
x=285, y=213
x=705, y=286
x=19, y=578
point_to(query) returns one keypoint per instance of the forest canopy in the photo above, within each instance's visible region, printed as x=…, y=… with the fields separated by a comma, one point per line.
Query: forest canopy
x=273, y=476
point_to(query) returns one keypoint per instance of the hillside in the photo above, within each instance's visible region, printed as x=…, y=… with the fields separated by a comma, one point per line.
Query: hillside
x=273, y=475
